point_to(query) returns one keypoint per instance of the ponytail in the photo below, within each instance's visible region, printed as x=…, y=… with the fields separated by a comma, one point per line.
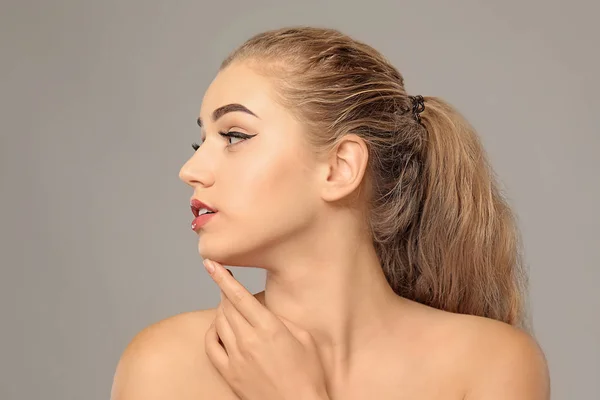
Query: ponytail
x=466, y=245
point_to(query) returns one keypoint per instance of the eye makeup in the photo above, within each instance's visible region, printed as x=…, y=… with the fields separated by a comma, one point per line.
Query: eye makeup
x=228, y=135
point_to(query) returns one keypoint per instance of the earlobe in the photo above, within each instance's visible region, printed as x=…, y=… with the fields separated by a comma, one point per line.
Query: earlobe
x=347, y=166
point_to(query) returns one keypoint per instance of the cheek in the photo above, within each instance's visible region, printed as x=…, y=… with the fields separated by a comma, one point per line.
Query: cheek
x=272, y=187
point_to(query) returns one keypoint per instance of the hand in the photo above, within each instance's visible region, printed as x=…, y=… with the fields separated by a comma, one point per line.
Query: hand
x=264, y=356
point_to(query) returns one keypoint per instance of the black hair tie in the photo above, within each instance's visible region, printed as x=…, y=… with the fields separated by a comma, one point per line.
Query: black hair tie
x=418, y=106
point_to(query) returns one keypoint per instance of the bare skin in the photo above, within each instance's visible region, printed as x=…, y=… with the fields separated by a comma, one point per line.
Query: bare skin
x=442, y=355
x=279, y=209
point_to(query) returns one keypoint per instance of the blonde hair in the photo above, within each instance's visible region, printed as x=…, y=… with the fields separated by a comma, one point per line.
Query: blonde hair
x=443, y=233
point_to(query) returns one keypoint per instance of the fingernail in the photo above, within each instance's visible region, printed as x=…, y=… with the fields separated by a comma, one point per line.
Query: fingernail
x=209, y=266
x=231, y=273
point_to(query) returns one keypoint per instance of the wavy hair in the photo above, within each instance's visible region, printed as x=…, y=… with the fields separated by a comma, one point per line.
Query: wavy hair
x=443, y=232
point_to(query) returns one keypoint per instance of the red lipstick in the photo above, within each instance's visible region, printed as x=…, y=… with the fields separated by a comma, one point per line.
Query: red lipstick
x=208, y=213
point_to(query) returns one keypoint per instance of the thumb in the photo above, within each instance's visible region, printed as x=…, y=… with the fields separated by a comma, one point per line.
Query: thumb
x=301, y=334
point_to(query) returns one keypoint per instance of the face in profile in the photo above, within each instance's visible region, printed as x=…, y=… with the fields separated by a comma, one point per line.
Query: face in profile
x=264, y=184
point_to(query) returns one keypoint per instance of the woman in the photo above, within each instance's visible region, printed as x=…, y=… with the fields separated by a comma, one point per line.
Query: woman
x=378, y=221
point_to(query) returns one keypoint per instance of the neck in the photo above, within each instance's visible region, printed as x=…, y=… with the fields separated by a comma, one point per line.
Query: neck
x=337, y=291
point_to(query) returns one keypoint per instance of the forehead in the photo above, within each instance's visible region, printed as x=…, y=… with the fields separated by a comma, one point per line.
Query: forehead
x=238, y=83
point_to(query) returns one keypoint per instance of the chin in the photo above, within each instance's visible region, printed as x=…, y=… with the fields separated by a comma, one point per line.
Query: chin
x=224, y=254
x=232, y=255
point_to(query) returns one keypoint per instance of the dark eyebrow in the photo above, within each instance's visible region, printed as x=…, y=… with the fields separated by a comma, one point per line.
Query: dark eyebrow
x=219, y=112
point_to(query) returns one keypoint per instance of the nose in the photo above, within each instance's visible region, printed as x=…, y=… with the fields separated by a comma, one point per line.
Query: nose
x=193, y=174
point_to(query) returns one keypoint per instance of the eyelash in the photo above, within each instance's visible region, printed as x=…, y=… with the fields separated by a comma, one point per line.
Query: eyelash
x=233, y=134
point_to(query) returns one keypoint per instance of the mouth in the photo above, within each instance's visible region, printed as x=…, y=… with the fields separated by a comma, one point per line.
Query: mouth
x=199, y=208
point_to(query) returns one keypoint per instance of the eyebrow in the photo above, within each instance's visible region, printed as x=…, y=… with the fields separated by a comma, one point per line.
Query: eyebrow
x=219, y=112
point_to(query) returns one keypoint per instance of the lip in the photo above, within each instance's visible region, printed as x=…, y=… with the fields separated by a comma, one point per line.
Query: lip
x=200, y=221
x=196, y=205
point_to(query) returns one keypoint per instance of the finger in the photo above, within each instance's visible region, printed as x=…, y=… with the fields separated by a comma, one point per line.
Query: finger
x=248, y=306
x=238, y=324
x=217, y=355
x=224, y=331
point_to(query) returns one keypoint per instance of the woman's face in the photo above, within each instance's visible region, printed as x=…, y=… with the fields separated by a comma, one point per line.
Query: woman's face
x=264, y=187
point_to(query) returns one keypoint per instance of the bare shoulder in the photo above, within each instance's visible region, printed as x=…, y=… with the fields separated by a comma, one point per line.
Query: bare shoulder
x=167, y=360
x=501, y=361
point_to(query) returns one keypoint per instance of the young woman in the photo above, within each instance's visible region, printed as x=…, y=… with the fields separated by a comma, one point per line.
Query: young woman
x=393, y=268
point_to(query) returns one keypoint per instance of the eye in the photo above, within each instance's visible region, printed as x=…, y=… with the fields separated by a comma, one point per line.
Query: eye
x=236, y=135
x=232, y=134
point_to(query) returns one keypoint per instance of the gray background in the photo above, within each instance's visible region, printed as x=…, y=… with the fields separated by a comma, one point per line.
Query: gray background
x=98, y=108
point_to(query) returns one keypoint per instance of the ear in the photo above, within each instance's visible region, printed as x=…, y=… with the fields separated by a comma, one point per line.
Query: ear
x=346, y=168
